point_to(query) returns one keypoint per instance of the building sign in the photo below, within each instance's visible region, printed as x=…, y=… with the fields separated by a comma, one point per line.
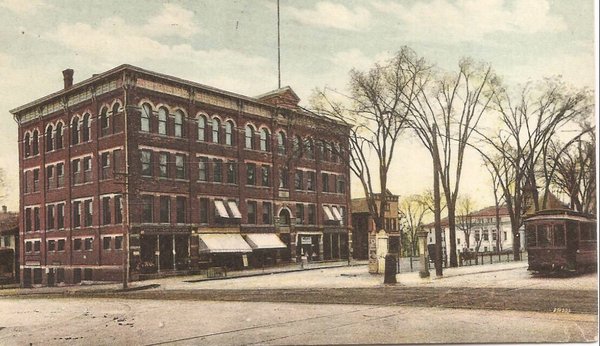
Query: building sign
x=306, y=240
x=245, y=260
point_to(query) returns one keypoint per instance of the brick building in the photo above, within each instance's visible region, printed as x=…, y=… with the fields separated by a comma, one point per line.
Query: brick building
x=9, y=246
x=363, y=224
x=139, y=170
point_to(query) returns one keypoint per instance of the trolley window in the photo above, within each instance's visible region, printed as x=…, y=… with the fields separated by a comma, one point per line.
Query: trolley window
x=531, y=236
x=559, y=234
x=543, y=236
x=587, y=232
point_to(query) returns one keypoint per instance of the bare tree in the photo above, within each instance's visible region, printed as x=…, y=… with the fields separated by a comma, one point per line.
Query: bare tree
x=465, y=209
x=412, y=209
x=376, y=110
x=497, y=195
x=2, y=185
x=515, y=151
x=447, y=110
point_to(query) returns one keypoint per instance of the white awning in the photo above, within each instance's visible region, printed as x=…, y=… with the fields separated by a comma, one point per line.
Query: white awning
x=264, y=241
x=336, y=213
x=222, y=243
x=328, y=215
x=220, y=207
x=235, y=212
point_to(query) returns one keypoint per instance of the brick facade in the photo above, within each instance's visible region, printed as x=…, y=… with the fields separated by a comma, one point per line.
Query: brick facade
x=133, y=163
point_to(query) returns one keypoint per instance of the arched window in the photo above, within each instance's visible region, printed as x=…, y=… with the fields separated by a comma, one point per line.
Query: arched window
x=284, y=217
x=27, y=145
x=162, y=121
x=49, y=139
x=59, y=136
x=297, y=146
x=85, y=128
x=35, y=145
x=229, y=132
x=178, y=123
x=145, y=119
x=115, y=108
x=216, y=130
x=249, y=137
x=264, y=139
x=117, y=118
x=281, y=143
x=104, y=121
x=75, y=131
x=201, y=128
x=309, y=149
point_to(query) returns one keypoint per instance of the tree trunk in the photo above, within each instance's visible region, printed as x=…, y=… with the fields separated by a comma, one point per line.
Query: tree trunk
x=516, y=242
x=437, y=211
x=452, y=227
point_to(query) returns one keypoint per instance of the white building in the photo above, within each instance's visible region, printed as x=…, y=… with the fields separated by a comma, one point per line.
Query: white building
x=482, y=230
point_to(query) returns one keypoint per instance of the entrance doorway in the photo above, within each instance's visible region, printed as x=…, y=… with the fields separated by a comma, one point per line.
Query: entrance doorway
x=166, y=252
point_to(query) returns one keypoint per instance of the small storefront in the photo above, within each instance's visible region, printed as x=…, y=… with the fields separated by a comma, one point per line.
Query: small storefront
x=224, y=250
x=307, y=244
x=335, y=245
x=163, y=252
x=265, y=248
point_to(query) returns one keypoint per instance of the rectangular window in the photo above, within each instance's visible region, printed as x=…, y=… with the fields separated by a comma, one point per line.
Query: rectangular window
x=117, y=161
x=50, y=177
x=76, y=171
x=106, y=243
x=87, y=169
x=341, y=185
x=106, y=217
x=60, y=216
x=27, y=219
x=267, y=213
x=165, y=209
x=299, y=214
x=310, y=181
x=202, y=169
x=28, y=246
x=181, y=203
x=105, y=162
x=312, y=214
x=36, y=246
x=146, y=157
x=36, y=218
x=203, y=210
x=60, y=245
x=77, y=244
x=180, y=166
x=218, y=170
x=50, y=217
x=231, y=173
x=118, y=242
x=250, y=174
x=60, y=174
x=298, y=180
x=486, y=236
x=88, y=212
x=51, y=245
x=283, y=179
x=266, y=175
x=88, y=245
x=325, y=181
x=36, y=180
x=26, y=181
x=163, y=171
x=251, y=207
x=147, y=206
x=118, y=203
x=477, y=236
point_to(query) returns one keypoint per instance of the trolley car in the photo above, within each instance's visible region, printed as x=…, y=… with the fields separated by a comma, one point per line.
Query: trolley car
x=561, y=240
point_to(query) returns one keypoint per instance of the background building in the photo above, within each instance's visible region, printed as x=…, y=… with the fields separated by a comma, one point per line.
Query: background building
x=363, y=224
x=9, y=246
x=139, y=170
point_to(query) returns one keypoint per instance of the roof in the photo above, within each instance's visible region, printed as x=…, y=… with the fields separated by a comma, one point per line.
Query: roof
x=485, y=212
x=262, y=100
x=9, y=222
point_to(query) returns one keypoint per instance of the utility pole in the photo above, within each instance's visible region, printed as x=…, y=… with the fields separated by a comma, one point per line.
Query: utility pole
x=437, y=206
x=278, y=50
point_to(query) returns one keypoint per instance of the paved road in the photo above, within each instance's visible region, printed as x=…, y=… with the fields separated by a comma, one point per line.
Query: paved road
x=142, y=322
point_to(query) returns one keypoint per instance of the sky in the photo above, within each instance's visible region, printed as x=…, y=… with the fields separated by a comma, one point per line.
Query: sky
x=232, y=45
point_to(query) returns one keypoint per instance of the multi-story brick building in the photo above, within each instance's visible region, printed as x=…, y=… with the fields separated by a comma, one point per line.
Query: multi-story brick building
x=132, y=172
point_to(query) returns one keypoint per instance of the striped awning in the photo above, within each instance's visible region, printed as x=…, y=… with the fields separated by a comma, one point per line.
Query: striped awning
x=264, y=241
x=222, y=243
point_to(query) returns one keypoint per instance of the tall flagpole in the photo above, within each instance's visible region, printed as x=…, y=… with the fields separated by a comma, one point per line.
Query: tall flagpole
x=278, y=50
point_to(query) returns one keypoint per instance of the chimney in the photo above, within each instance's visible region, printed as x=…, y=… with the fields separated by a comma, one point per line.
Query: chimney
x=68, y=78
x=4, y=209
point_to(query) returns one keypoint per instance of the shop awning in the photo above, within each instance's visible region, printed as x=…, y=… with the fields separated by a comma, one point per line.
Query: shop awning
x=264, y=241
x=223, y=243
x=220, y=208
x=336, y=214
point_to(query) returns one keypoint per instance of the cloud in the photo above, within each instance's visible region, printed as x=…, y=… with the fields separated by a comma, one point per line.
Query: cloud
x=472, y=20
x=24, y=7
x=173, y=20
x=330, y=15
